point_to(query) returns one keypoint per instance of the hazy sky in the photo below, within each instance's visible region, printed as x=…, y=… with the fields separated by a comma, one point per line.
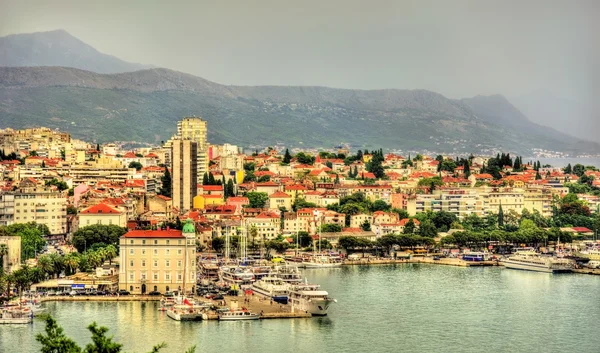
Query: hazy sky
x=457, y=48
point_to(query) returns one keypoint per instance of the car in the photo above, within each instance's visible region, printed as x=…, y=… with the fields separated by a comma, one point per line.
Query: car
x=73, y=293
x=218, y=297
x=436, y=257
x=123, y=292
x=154, y=292
x=169, y=294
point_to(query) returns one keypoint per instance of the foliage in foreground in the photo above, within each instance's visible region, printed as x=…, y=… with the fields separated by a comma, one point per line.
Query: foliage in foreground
x=55, y=341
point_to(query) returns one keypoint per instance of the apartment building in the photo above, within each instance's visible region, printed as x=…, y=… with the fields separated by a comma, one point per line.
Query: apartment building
x=158, y=260
x=184, y=173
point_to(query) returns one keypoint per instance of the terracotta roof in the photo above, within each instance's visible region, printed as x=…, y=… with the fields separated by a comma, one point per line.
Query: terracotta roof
x=212, y=187
x=129, y=155
x=100, y=208
x=279, y=195
x=295, y=187
x=406, y=220
x=153, y=234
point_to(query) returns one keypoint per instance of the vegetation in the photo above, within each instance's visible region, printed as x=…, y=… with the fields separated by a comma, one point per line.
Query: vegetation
x=98, y=235
x=165, y=190
x=257, y=199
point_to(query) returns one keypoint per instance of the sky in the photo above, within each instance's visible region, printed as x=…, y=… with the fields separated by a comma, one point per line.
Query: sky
x=458, y=48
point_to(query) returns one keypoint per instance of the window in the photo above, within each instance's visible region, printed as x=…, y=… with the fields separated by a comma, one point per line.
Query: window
x=131, y=276
x=179, y=264
x=143, y=251
x=168, y=242
x=167, y=251
x=130, y=251
x=131, y=241
x=167, y=278
x=167, y=263
x=155, y=251
x=179, y=277
x=179, y=252
x=88, y=222
x=143, y=241
x=155, y=276
x=131, y=263
x=143, y=263
x=179, y=242
x=110, y=221
x=143, y=276
x=155, y=242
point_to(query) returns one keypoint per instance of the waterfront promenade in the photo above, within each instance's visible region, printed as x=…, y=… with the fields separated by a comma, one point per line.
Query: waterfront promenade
x=418, y=260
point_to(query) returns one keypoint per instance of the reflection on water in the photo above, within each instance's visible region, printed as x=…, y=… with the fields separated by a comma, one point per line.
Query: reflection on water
x=406, y=307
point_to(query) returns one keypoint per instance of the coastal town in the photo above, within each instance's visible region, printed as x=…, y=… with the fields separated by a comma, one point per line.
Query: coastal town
x=218, y=232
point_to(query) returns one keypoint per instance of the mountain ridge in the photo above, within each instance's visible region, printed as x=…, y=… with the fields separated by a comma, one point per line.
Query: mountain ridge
x=59, y=48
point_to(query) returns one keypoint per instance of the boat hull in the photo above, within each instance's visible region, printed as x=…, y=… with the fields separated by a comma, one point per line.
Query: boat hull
x=184, y=316
x=278, y=298
x=533, y=267
x=320, y=265
x=23, y=320
x=314, y=307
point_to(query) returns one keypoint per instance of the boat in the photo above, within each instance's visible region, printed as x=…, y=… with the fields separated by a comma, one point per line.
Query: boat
x=233, y=275
x=288, y=274
x=532, y=261
x=186, y=310
x=589, y=254
x=238, y=315
x=475, y=256
x=209, y=271
x=272, y=287
x=309, y=298
x=16, y=315
x=260, y=271
x=322, y=261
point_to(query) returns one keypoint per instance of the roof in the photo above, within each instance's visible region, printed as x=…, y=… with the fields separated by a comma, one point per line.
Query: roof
x=212, y=187
x=173, y=233
x=129, y=155
x=100, y=208
x=279, y=195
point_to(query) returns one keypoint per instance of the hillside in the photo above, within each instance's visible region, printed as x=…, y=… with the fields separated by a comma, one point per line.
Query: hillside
x=145, y=106
x=58, y=48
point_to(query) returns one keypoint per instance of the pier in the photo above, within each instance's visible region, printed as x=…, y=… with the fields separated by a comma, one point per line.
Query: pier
x=418, y=260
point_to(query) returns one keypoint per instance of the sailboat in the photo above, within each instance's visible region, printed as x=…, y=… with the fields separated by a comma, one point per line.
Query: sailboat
x=321, y=260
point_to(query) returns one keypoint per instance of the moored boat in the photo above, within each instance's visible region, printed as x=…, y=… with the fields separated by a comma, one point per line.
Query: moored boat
x=238, y=315
x=310, y=298
x=272, y=287
x=322, y=261
x=532, y=261
x=16, y=315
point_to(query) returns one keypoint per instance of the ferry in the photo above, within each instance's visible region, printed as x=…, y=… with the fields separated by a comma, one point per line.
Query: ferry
x=475, y=256
x=272, y=287
x=532, y=261
x=592, y=254
x=309, y=298
x=238, y=315
x=16, y=315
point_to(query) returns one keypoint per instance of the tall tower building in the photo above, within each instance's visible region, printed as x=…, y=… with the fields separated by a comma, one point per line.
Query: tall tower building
x=184, y=173
x=194, y=129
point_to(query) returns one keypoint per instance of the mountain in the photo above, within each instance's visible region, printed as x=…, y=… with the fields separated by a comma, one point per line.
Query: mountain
x=145, y=105
x=58, y=48
x=545, y=108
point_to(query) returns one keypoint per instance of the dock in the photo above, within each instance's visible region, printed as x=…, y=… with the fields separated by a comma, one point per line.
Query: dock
x=421, y=259
x=261, y=305
x=100, y=298
x=588, y=271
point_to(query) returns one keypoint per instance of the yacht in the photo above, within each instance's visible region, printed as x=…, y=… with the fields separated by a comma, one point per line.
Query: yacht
x=272, y=287
x=16, y=315
x=238, y=315
x=309, y=298
x=231, y=275
x=288, y=274
x=209, y=271
x=590, y=254
x=186, y=310
x=322, y=261
x=532, y=261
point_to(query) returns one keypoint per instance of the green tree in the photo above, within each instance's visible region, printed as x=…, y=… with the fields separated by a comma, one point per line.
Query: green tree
x=331, y=228
x=86, y=237
x=211, y=179
x=365, y=226
x=578, y=170
x=137, y=165
x=60, y=185
x=500, y=217
x=380, y=205
x=165, y=189
x=257, y=199
x=205, y=179
x=229, y=189
x=55, y=341
x=427, y=229
x=287, y=157
x=409, y=228
x=303, y=158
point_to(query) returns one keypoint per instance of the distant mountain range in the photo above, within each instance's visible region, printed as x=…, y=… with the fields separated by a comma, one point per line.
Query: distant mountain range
x=59, y=48
x=145, y=106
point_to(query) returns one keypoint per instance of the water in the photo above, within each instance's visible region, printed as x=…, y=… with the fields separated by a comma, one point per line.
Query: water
x=409, y=307
x=562, y=162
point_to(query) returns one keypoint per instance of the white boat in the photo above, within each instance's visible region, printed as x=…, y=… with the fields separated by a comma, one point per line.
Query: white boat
x=590, y=254
x=272, y=287
x=288, y=274
x=532, y=261
x=16, y=315
x=238, y=315
x=322, y=261
x=309, y=298
x=232, y=275
x=184, y=313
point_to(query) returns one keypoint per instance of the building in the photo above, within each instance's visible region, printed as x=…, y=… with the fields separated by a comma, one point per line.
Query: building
x=102, y=214
x=194, y=129
x=12, y=258
x=184, y=173
x=158, y=260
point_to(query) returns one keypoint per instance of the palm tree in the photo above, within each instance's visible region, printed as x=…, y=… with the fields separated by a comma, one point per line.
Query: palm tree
x=58, y=263
x=3, y=252
x=46, y=264
x=71, y=262
x=111, y=252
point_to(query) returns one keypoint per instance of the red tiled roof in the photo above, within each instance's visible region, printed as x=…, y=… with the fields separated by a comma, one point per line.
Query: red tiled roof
x=406, y=220
x=129, y=155
x=295, y=187
x=212, y=187
x=136, y=183
x=100, y=209
x=153, y=234
x=278, y=195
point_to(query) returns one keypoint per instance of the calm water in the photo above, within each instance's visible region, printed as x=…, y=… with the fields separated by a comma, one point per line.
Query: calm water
x=412, y=307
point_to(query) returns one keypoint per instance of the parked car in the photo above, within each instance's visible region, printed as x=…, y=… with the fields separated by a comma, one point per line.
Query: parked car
x=436, y=257
x=123, y=292
x=218, y=297
x=73, y=293
x=154, y=292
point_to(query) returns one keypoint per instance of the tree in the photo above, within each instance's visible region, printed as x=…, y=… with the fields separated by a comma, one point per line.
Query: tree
x=205, y=179
x=264, y=178
x=60, y=185
x=287, y=157
x=380, y=205
x=402, y=214
x=257, y=199
x=3, y=252
x=165, y=190
x=211, y=179
x=86, y=237
x=409, y=228
x=568, y=169
x=331, y=228
x=500, y=217
x=578, y=170
x=303, y=158
x=137, y=165
x=538, y=176
x=55, y=341
x=365, y=226
x=229, y=189
x=443, y=220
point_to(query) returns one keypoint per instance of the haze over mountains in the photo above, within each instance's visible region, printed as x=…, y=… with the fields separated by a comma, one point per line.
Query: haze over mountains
x=144, y=106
